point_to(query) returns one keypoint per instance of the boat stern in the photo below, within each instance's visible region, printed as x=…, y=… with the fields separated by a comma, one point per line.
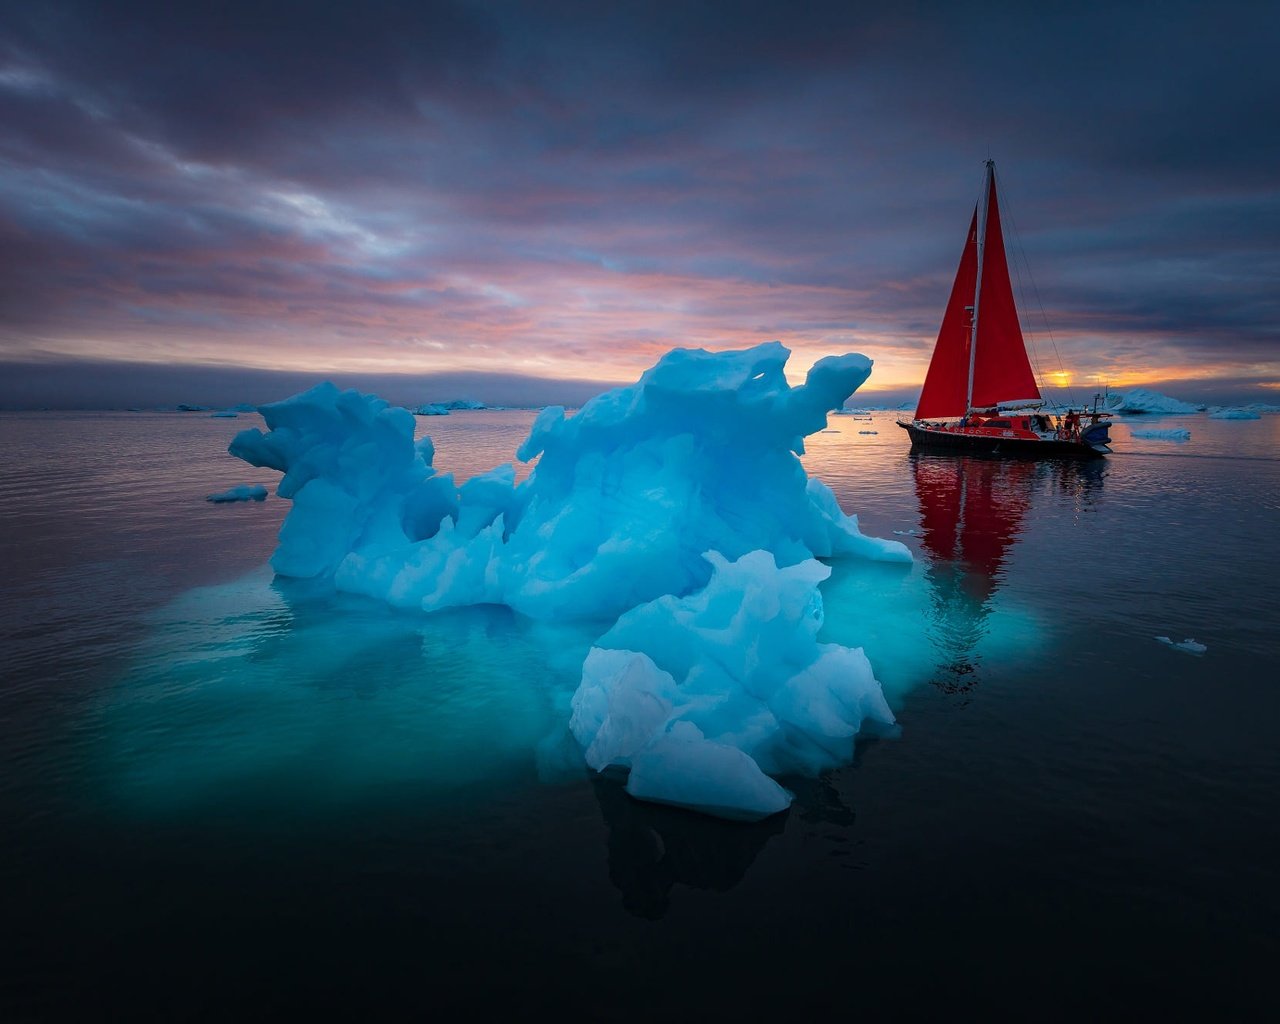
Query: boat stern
x=1098, y=437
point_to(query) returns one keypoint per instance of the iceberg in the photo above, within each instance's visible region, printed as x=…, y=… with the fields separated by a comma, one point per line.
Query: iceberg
x=627, y=494
x=1139, y=400
x=431, y=409
x=677, y=502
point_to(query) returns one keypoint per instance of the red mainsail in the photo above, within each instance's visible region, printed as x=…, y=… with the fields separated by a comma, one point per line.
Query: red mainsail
x=1001, y=370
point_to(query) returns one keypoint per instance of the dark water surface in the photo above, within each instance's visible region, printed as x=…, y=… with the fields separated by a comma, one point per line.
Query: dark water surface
x=230, y=797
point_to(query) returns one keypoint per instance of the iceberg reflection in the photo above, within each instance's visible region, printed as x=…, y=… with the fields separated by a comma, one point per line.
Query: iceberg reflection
x=653, y=848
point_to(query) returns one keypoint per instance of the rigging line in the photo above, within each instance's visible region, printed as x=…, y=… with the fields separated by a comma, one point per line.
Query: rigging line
x=1029, y=334
x=1022, y=294
x=1017, y=267
x=1071, y=398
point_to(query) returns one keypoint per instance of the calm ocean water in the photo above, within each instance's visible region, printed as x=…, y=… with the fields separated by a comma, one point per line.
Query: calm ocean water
x=226, y=796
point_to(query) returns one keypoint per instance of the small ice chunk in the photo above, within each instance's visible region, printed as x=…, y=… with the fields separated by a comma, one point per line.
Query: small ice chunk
x=868, y=431
x=1161, y=434
x=1189, y=645
x=242, y=492
x=224, y=414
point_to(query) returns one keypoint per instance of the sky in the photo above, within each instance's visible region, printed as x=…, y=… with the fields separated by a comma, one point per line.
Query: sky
x=539, y=199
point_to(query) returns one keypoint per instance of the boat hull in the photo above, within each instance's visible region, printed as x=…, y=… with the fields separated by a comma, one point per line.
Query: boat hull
x=927, y=439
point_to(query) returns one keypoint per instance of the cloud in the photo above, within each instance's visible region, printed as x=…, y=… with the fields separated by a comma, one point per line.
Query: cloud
x=572, y=189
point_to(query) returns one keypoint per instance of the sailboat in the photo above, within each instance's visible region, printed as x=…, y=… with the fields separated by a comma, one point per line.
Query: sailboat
x=980, y=395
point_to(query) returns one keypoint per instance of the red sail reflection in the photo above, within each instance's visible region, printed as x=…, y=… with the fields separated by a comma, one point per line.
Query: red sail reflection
x=971, y=511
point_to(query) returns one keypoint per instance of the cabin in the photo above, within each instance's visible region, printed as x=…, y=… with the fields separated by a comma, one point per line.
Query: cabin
x=1018, y=426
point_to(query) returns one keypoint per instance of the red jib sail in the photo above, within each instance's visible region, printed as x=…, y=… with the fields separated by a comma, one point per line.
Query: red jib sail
x=1001, y=370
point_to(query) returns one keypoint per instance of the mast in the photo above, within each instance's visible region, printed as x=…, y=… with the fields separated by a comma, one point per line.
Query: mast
x=977, y=287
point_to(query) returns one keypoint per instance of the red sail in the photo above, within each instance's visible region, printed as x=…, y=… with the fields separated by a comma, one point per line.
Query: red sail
x=1001, y=370
x=946, y=385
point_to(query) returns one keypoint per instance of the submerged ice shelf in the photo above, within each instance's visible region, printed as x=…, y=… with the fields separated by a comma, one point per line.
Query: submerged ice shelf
x=678, y=501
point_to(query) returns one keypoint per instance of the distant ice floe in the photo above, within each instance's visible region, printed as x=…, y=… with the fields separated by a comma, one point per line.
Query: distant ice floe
x=868, y=431
x=678, y=502
x=1188, y=645
x=224, y=414
x=1138, y=400
x=1162, y=435
x=1234, y=414
x=454, y=405
x=242, y=492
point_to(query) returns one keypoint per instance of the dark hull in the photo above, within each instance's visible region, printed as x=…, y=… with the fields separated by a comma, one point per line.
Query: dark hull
x=1013, y=447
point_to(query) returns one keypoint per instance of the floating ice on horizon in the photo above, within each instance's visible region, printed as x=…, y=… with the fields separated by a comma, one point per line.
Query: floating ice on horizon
x=224, y=414
x=242, y=492
x=628, y=494
x=1162, y=435
x=454, y=405
x=705, y=696
x=1139, y=400
x=1234, y=414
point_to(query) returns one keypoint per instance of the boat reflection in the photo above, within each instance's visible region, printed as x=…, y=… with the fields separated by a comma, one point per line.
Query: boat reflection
x=972, y=511
x=652, y=848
